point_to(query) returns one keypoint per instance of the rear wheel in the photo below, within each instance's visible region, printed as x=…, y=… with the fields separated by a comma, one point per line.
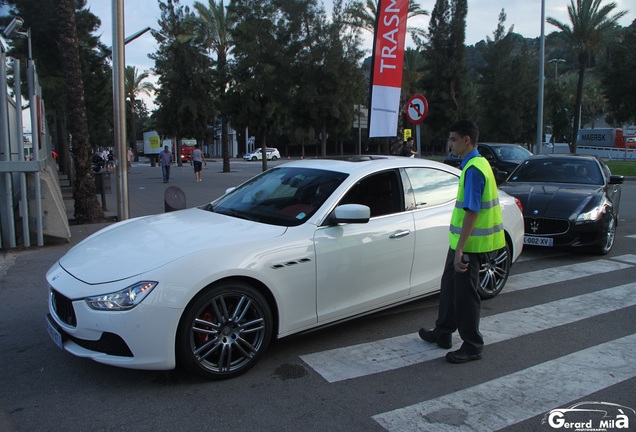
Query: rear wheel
x=493, y=272
x=224, y=331
x=274, y=158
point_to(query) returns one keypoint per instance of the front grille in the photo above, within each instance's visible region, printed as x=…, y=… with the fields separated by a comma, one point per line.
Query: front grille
x=544, y=226
x=63, y=308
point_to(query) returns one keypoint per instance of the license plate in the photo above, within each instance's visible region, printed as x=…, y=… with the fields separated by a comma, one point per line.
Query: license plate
x=55, y=335
x=538, y=241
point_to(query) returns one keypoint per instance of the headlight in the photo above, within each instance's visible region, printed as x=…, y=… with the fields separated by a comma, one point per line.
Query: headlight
x=594, y=214
x=125, y=299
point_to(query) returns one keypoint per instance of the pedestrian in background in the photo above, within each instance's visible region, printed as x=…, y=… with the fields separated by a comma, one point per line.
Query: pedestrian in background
x=197, y=161
x=130, y=158
x=165, y=160
x=476, y=228
x=407, y=148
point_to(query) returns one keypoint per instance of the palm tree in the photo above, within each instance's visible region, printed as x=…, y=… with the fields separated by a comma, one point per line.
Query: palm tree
x=134, y=85
x=590, y=24
x=363, y=16
x=87, y=209
x=213, y=27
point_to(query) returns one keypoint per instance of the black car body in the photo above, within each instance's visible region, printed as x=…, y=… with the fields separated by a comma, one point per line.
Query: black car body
x=569, y=201
x=503, y=158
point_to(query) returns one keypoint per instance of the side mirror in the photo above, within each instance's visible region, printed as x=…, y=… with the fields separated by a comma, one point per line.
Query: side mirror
x=616, y=179
x=349, y=213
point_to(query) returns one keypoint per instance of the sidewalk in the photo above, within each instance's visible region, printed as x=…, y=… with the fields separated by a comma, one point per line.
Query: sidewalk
x=146, y=190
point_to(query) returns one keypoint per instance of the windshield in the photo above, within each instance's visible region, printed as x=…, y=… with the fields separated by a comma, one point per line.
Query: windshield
x=512, y=153
x=557, y=171
x=280, y=196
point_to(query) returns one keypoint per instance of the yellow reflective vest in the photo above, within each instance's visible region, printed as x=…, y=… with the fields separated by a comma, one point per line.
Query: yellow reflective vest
x=488, y=234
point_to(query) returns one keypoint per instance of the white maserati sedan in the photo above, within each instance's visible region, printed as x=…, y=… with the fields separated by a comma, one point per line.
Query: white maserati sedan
x=302, y=245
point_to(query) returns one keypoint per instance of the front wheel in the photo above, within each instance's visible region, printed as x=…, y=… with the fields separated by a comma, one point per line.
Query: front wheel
x=254, y=158
x=493, y=272
x=224, y=331
x=607, y=241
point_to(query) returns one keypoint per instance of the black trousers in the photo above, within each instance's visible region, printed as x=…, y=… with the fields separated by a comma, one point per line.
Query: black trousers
x=460, y=304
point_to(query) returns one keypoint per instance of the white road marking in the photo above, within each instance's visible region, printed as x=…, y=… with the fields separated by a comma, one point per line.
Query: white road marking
x=630, y=258
x=400, y=351
x=561, y=274
x=513, y=398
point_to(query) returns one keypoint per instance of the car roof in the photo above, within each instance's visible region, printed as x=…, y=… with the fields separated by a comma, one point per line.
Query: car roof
x=562, y=156
x=366, y=164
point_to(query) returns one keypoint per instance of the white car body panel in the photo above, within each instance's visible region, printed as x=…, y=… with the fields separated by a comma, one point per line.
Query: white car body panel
x=315, y=274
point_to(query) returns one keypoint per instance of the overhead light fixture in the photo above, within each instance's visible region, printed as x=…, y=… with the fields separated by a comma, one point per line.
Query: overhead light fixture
x=13, y=28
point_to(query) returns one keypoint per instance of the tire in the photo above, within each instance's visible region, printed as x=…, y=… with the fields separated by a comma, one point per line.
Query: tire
x=608, y=240
x=494, y=272
x=274, y=158
x=224, y=331
x=254, y=158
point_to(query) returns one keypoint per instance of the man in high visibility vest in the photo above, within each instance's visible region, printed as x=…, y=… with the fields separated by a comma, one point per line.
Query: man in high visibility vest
x=476, y=228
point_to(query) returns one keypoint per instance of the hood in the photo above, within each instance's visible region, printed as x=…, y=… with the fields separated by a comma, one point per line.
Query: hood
x=551, y=200
x=132, y=247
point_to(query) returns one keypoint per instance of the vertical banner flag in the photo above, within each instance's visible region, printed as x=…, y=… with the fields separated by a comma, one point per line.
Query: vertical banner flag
x=387, y=65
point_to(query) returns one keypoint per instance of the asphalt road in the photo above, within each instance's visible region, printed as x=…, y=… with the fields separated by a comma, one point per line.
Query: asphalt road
x=562, y=331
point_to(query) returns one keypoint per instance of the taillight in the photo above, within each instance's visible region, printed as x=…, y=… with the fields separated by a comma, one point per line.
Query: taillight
x=519, y=205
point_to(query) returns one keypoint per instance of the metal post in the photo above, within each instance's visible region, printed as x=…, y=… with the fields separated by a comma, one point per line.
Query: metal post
x=17, y=89
x=541, y=80
x=119, y=110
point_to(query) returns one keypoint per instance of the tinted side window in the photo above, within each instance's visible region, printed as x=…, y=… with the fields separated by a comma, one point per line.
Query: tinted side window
x=432, y=187
x=381, y=192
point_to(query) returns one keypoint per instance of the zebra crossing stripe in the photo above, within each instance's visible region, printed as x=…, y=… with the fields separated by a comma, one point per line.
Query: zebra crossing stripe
x=513, y=398
x=400, y=351
x=630, y=258
x=561, y=274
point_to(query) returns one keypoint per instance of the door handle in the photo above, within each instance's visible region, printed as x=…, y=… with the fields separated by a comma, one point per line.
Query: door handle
x=400, y=234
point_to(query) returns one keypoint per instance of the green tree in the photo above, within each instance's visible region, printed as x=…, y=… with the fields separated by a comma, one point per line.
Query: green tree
x=363, y=15
x=40, y=16
x=618, y=78
x=445, y=76
x=267, y=41
x=184, y=90
x=87, y=209
x=213, y=27
x=506, y=88
x=135, y=84
x=590, y=23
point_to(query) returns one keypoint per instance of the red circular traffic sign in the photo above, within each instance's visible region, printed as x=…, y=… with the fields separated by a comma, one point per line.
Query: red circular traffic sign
x=416, y=109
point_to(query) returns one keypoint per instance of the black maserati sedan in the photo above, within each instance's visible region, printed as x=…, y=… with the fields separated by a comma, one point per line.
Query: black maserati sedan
x=569, y=201
x=503, y=158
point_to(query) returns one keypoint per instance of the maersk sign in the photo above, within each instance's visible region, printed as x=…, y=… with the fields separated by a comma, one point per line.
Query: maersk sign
x=597, y=137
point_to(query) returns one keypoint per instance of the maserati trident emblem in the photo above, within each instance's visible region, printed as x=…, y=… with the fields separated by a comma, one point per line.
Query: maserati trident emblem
x=534, y=227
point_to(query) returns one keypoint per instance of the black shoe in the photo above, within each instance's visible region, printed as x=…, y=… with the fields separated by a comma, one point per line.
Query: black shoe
x=443, y=341
x=460, y=356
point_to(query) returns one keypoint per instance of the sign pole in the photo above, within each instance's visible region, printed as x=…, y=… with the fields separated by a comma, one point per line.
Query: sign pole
x=417, y=140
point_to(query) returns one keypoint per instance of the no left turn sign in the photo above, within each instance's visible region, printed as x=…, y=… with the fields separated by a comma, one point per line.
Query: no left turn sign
x=416, y=109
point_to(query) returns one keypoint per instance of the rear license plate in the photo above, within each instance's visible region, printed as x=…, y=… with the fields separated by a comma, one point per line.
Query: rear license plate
x=538, y=241
x=55, y=335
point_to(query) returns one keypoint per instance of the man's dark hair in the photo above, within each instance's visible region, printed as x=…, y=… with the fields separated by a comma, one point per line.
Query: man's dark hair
x=466, y=127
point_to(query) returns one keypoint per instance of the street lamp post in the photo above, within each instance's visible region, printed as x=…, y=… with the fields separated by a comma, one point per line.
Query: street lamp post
x=556, y=66
x=541, y=80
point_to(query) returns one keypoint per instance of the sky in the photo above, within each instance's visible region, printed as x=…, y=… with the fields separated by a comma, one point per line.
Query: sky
x=481, y=21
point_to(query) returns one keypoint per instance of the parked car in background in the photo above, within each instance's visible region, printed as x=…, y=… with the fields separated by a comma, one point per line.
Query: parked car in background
x=302, y=245
x=569, y=201
x=503, y=158
x=272, y=154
